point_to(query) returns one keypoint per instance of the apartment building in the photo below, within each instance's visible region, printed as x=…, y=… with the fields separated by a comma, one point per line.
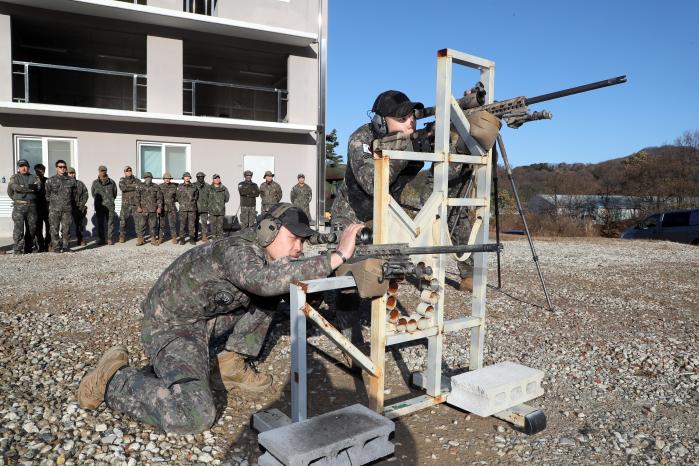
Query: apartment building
x=218, y=86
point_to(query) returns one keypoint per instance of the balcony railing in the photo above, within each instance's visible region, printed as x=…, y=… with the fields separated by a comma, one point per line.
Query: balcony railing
x=66, y=85
x=227, y=100
x=202, y=7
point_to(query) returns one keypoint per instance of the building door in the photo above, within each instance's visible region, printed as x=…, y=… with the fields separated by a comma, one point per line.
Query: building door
x=258, y=165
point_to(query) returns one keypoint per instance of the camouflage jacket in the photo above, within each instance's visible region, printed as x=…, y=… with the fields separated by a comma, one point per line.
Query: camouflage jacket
x=104, y=191
x=359, y=178
x=203, y=199
x=270, y=193
x=187, y=195
x=248, y=192
x=150, y=198
x=218, y=196
x=61, y=192
x=23, y=187
x=222, y=277
x=81, y=194
x=129, y=190
x=169, y=196
x=301, y=196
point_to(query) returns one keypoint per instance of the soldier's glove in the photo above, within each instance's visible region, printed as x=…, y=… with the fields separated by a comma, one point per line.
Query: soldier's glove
x=368, y=274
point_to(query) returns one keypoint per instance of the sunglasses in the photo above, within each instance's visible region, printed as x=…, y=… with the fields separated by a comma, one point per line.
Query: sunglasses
x=128, y=170
x=61, y=166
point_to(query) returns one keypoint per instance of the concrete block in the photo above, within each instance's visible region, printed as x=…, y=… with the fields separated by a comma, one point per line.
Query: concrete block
x=495, y=388
x=269, y=419
x=349, y=436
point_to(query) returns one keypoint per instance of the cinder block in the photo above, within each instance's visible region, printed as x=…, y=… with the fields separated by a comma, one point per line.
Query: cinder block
x=495, y=388
x=349, y=436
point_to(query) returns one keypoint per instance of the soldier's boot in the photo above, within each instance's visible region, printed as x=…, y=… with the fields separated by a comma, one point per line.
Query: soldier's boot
x=94, y=385
x=204, y=237
x=192, y=241
x=139, y=241
x=82, y=242
x=174, y=239
x=154, y=242
x=110, y=242
x=182, y=241
x=466, y=284
x=122, y=238
x=49, y=248
x=235, y=373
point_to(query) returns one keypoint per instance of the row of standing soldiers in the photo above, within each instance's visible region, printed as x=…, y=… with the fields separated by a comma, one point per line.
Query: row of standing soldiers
x=270, y=193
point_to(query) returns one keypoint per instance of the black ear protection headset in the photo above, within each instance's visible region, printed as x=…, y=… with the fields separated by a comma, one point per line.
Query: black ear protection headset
x=379, y=125
x=269, y=226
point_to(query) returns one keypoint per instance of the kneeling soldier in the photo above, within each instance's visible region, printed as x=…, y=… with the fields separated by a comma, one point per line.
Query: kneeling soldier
x=227, y=288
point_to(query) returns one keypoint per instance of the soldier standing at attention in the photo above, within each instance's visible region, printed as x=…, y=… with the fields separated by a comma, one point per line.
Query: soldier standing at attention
x=80, y=208
x=301, y=195
x=150, y=204
x=169, y=213
x=128, y=185
x=22, y=189
x=187, y=195
x=217, y=206
x=43, y=230
x=248, y=192
x=270, y=192
x=202, y=206
x=104, y=192
x=61, y=194
x=228, y=288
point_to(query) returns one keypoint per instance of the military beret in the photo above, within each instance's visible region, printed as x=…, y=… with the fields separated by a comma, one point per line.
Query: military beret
x=21, y=162
x=301, y=175
x=147, y=175
x=269, y=173
x=101, y=168
x=247, y=173
x=167, y=176
x=71, y=170
x=200, y=174
x=186, y=174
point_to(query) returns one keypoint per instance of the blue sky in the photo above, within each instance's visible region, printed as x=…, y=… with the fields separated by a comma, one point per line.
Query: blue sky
x=538, y=47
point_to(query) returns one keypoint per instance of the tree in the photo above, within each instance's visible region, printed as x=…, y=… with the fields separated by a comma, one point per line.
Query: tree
x=330, y=145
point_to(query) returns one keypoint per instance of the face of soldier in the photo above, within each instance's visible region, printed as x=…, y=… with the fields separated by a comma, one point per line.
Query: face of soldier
x=128, y=172
x=102, y=174
x=167, y=180
x=61, y=169
x=23, y=169
x=148, y=181
x=39, y=171
x=269, y=179
x=302, y=181
x=200, y=179
x=285, y=244
x=405, y=124
x=217, y=181
x=187, y=179
x=248, y=177
x=71, y=174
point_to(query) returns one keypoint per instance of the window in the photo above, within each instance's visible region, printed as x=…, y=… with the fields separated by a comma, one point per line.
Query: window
x=46, y=150
x=160, y=157
x=676, y=219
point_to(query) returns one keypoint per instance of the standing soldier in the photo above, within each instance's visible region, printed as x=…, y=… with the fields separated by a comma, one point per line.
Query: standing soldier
x=43, y=241
x=80, y=207
x=104, y=192
x=217, y=206
x=202, y=206
x=169, y=213
x=60, y=192
x=150, y=204
x=270, y=192
x=129, y=195
x=248, y=193
x=301, y=195
x=22, y=189
x=187, y=195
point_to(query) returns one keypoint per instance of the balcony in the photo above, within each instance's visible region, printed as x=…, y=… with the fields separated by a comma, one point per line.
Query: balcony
x=227, y=100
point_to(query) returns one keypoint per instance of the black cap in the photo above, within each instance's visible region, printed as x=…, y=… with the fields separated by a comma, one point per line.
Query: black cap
x=21, y=162
x=394, y=104
x=296, y=221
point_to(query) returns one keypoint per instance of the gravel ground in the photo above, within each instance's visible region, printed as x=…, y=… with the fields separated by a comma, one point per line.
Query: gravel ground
x=619, y=352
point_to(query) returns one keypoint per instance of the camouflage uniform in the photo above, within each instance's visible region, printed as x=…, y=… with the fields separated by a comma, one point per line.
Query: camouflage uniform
x=202, y=224
x=42, y=214
x=61, y=194
x=80, y=209
x=129, y=200
x=187, y=195
x=301, y=198
x=23, y=189
x=150, y=199
x=248, y=192
x=104, y=191
x=223, y=289
x=270, y=194
x=218, y=197
x=169, y=212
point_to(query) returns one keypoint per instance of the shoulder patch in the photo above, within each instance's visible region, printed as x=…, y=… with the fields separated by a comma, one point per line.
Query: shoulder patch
x=366, y=148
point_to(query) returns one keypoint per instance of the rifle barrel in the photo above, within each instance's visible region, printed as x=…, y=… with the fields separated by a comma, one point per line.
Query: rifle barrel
x=577, y=90
x=455, y=249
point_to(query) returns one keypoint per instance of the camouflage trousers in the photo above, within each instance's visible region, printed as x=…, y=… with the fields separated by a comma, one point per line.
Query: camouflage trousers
x=79, y=222
x=24, y=218
x=102, y=214
x=188, y=220
x=248, y=217
x=60, y=220
x=216, y=226
x=151, y=220
x=176, y=394
x=43, y=225
x=168, y=218
x=202, y=224
x=126, y=212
